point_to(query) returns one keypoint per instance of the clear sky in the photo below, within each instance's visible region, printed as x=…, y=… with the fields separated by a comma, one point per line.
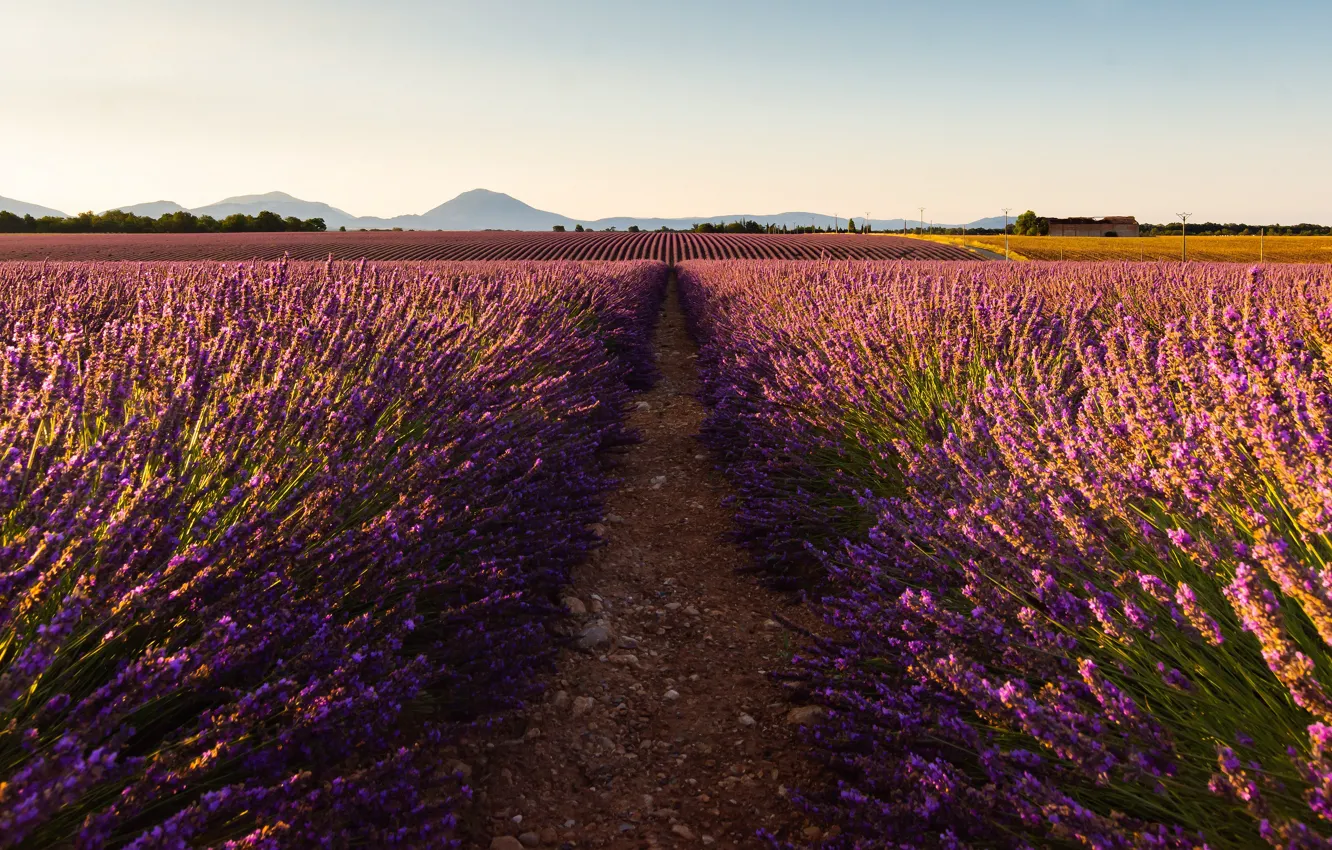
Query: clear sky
x=676, y=107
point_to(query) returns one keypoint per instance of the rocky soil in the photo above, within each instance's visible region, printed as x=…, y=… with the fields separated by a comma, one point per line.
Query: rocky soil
x=661, y=727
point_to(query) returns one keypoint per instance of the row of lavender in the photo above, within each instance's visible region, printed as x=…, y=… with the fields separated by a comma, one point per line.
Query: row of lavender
x=273, y=537
x=1070, y=524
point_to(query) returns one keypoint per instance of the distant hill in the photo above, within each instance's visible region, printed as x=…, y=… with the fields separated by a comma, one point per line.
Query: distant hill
x=282, y=204
x=25, y=208
x=482, y=209
x=152, y=209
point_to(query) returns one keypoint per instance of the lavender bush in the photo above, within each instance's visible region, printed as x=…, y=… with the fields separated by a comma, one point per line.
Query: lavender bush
x=1071, y=524
x=271, y=537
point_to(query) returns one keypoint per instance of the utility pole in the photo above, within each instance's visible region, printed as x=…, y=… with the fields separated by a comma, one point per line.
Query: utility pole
x=1006, y=211
x=1184, y=232
x=1260, y=243
x=922, y=222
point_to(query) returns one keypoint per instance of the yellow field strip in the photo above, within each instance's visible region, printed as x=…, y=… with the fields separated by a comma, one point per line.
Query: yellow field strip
x=1217, y=249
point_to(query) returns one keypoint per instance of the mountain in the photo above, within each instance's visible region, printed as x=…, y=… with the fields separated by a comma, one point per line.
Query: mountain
x=152, y=209
x=482, y=209
x=24, y=208
x=282, y=204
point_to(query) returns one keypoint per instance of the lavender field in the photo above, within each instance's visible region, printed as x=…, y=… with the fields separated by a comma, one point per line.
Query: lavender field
x=272, y=537
x=1068, y=525
x=280, y=542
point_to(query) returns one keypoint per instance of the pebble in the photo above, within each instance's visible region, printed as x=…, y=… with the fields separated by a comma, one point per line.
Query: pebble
x=505, y=842
x=692, y=611
x=627, y=643
x=594, y=636
x=597, y=606
x=708, y=841
x=772, y=625
x=598, y=529
x=529, y=839
x=746, y=720
x=700, y=456
x=672, y=694
x=625, y=659
x=642, y=405
x=804, y=715
x=549, y=835
x=573, y=605
x=683, y=831
x=672, y=606
x=812, y=833
x=614, y=519
x=561, y=699
x=582, y=705
x=459, y=768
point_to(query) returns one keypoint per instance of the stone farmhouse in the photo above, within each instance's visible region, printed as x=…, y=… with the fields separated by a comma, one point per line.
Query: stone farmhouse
x=1111, y=225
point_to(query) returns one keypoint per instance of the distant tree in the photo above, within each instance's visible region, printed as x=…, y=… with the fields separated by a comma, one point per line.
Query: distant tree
x=559, y=228
x=633, y=228
x=1030, y=224
x=342, y=229
x=578, y=228
x=268, y=222
x=610, y=230
x=236, y=223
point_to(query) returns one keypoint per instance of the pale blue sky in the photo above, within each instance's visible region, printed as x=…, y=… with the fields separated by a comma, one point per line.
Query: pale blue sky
x=594, y=108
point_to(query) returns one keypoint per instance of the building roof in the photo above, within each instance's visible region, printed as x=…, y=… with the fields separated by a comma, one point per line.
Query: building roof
x=1110, y=219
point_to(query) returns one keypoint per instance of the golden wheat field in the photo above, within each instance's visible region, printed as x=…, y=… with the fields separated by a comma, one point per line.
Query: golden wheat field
x=1217, y=249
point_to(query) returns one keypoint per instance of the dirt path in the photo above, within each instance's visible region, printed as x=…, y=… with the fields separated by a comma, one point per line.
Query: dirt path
x=663, y=731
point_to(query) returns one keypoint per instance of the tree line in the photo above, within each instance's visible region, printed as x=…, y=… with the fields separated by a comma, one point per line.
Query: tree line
x=1030, y=224
x=744, y=226
x=1211, y=228
x=116, y=221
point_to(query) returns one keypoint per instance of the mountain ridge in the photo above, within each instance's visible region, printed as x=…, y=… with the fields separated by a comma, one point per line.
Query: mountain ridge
x=477, y=209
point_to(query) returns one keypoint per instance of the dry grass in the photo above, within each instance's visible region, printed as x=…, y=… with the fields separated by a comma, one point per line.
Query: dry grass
x=1219, y=249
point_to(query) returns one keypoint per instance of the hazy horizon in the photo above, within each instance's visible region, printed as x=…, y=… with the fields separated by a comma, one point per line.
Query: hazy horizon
x=597, y=109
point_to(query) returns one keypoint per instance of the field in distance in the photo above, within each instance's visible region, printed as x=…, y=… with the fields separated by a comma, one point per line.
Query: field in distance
x=667, y=247
x=1215, y=249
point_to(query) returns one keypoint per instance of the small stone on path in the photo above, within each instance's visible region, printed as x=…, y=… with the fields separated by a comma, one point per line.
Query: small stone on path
x=805, y=714
x=582, y=705
x=505, y=842
x=574, y=605
x=594, y=636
